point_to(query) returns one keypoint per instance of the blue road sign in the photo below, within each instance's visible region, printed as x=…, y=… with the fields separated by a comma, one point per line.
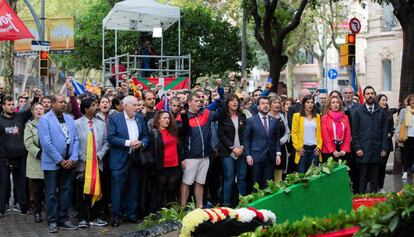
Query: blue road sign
x=332, y=74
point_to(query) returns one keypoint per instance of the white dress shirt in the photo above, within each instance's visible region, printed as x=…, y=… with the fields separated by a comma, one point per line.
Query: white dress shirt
x=133, y=131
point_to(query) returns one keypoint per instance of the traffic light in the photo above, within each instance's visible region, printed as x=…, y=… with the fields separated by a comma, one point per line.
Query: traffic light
x=44, y=63
x=347, y=51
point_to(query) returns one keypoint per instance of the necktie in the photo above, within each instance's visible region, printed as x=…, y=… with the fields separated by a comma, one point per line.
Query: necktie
x=370, y=110
x=265, y=124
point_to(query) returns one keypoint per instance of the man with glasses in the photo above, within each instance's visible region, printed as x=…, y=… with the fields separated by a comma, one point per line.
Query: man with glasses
x=60, y=146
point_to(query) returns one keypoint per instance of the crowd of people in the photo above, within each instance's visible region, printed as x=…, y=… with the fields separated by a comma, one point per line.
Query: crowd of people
x=210, y=143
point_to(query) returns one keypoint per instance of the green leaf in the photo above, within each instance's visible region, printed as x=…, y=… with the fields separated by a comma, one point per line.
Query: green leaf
x=326, y=170
x=394, y=223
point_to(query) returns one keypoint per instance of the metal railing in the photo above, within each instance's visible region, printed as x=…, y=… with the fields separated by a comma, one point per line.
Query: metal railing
x=159, y=66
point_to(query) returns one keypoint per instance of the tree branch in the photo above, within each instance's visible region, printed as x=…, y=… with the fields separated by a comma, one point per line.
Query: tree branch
x=292, y=24
x=258, y=23
x=267, y=22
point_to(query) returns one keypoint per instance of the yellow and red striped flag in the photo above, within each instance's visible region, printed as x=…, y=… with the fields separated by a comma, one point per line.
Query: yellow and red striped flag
x=92, y=184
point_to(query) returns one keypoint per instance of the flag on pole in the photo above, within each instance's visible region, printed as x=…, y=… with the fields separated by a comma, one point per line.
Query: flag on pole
x=92, y=184
x=357, y=85
x=90, y=87
x=11, y=27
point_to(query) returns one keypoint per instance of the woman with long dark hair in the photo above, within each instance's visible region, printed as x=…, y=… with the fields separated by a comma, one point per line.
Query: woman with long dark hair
x=306, y=135
x=383, y=103
x=168, y=154
x=231, y=130
x=336, y=130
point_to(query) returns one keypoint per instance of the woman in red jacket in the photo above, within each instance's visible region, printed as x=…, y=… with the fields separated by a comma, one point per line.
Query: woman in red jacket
x=336, y=131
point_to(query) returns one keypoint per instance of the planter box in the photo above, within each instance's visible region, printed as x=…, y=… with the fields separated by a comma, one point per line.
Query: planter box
x=325, y=195
x=368, y=202
x=348, y=232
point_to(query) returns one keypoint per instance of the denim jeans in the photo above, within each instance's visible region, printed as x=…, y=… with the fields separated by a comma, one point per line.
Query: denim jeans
x=61, y=181
x=307, y=159
x=232, y=168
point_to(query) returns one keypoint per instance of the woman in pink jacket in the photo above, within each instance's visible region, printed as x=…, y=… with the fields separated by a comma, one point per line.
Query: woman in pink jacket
x=336, y=131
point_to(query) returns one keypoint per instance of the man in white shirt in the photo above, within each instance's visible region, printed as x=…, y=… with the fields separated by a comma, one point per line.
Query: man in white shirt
x=127, y=132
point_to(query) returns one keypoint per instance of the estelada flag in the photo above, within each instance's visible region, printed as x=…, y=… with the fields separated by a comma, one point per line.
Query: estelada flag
x=169, y=83
x=11, y=27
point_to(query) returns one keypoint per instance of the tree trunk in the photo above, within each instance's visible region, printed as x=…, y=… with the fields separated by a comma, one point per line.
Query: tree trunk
x=289, y=77
x=6, y=51
x=407, y=62
x=275, y=69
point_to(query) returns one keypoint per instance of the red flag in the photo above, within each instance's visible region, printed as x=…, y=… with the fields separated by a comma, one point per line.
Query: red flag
x=11, y=27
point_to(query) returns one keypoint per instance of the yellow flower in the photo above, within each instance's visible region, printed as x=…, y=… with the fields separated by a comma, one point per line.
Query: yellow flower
x=192, y=220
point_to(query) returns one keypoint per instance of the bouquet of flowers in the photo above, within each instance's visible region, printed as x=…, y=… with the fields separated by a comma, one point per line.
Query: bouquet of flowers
x=220, y=222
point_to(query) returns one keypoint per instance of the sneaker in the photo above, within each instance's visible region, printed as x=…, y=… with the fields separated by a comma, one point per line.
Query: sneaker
x=405, y=176
x=68, y=226
x=1, y=215
x=52, y=228
x=382, y=191
x=83, y=224
x=16, y=208
x=98, y=222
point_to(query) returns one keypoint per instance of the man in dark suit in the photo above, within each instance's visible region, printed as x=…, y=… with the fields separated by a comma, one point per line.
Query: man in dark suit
x=127, y=132
x=262, y=144
x=370, y=140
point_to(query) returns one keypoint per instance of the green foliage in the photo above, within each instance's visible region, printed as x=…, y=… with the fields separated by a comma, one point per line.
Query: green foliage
x=390, y=218
x=291, y=179
x=214, y=44
x=88, y=39
x=174, y=213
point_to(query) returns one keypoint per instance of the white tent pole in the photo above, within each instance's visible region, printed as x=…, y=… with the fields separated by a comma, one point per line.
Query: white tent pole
x=179, y=36
x=103, y=55
x=116, y=59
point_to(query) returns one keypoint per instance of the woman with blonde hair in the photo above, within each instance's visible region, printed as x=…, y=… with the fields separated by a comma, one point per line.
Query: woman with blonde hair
x=405, y=135
x=336, y=130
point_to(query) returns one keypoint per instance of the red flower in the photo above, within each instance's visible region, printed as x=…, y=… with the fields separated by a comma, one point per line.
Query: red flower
x=259, y=215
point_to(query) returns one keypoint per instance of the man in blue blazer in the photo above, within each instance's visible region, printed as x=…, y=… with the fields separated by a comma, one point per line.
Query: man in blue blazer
x=261, y=144
x=60, y=147
x=127, y=132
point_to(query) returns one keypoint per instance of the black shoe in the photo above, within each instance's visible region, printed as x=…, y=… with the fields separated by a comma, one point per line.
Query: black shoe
x=52, y=228
x=37, y=218
x=115, y=222
x=132, y=220
x=83, y=224
x=68, y=226
x=1, y=215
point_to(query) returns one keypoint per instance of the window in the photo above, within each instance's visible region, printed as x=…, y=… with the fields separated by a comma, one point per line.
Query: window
x=386, y=74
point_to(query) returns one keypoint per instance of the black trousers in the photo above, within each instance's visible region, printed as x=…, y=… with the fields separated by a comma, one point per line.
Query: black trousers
x=408, y=154
x=18, y=170
x=38, y=191
x=85, y=210
x=368, y=173
x=382, y=168
x=167, y=181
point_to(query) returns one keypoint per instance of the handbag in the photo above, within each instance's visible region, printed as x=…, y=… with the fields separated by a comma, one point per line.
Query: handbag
x=143, y=157
x=403, y=133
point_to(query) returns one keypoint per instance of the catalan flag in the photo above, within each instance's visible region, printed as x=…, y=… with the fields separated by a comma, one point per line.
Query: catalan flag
x=137, y=93
x=91, y=87
x=92, y=184
x=357, y=85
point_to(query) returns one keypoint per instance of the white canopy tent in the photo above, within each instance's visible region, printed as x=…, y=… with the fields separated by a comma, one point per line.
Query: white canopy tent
x=142, y=16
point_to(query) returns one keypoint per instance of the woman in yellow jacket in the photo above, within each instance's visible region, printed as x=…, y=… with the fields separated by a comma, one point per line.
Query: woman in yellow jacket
x=306, y=135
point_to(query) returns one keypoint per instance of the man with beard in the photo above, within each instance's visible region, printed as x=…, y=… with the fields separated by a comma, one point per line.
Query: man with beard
x=261, y=143
x=60, y=146
x=87, y=214
x=46, y=101
x=13, y=153
x=369, y=139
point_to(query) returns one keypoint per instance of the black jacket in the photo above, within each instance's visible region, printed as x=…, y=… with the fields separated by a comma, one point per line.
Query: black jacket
x=226, y=132
x=11, y=135
x=157, y=149
x=369, y=133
